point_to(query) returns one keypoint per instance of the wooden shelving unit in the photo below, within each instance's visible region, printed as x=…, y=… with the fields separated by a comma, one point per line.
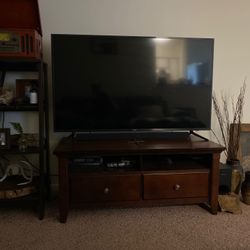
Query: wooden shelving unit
x=42, y=150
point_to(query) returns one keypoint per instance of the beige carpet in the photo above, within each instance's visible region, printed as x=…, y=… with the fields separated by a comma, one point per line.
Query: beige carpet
x=173, y=227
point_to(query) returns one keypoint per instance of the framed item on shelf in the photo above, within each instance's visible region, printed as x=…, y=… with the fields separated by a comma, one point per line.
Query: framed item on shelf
x=4, y=138
x=244, y=147
x=23, y=88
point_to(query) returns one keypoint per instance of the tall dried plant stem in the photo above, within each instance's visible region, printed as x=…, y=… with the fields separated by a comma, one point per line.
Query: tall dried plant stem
x=221, y=120
x=234, y=138
x=230, y=129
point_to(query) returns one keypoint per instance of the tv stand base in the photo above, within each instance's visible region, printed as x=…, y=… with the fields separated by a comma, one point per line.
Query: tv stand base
x=200, y=136
x=151, y=173
x=131, y=135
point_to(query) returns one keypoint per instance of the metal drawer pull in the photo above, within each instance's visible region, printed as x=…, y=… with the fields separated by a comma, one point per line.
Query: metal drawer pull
x=177, y=187
x=106, y=190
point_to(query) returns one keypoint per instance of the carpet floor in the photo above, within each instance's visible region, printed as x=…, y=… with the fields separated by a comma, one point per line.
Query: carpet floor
x=172, y=227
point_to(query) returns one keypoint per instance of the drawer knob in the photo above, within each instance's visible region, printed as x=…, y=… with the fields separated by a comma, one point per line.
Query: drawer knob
x=177, y=187
x=106, y=190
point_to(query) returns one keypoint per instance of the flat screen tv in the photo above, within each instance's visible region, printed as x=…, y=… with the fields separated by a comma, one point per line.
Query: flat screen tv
x=129, y=83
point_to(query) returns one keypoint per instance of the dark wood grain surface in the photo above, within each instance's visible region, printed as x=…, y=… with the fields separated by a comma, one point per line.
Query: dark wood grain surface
x=69, y=146
x=183, y=171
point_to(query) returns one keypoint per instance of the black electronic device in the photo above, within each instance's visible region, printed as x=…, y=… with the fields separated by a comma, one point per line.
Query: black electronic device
x=120, y=164
x=87, y=161
x=110, y=84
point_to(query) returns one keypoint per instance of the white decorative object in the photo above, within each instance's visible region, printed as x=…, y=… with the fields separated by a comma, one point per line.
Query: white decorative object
x=33, y=96
x=18, y=169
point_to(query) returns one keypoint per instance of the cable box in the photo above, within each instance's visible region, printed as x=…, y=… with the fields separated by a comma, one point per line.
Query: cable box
x=88, y=161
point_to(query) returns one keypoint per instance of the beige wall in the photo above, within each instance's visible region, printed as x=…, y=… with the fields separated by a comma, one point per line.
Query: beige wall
x=225, y=20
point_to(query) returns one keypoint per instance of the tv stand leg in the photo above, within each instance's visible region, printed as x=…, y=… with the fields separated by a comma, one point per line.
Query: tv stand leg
x=63, y=217
x=214, y=185
x=63, y=190
x=214, y=210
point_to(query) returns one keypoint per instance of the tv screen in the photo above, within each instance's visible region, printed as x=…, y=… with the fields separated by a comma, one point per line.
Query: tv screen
x=123, y=83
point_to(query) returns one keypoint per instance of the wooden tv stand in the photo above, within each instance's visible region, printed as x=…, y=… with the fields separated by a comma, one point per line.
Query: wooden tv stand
x=137, y=173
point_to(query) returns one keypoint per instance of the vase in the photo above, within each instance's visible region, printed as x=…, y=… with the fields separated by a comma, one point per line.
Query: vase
x=22, y=143
x=245, y=188
x=237, y=175
x=225, y=179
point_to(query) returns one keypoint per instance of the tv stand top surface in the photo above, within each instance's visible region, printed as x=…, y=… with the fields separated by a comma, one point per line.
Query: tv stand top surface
x=68, y=146
x=131, y=135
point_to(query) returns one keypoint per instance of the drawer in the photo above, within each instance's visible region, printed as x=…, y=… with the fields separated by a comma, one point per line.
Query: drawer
x=176, y=185
x=94, y=188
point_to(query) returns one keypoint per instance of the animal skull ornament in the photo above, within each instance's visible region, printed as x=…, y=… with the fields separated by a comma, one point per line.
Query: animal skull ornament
x=18, y=169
